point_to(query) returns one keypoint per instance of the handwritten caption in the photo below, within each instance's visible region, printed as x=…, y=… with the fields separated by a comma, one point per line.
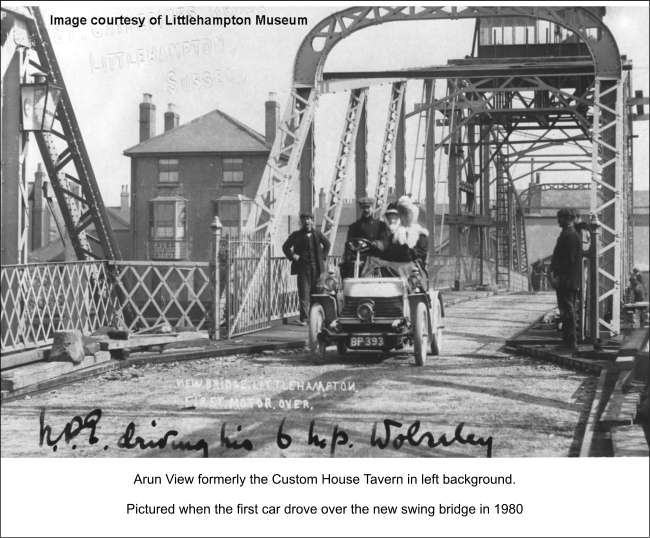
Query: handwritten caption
x=384, y=434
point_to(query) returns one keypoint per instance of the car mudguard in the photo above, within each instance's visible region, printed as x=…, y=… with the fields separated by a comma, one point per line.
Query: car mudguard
x=329, y=305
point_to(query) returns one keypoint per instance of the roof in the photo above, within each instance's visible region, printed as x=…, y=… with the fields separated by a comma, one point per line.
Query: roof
x=233, y=198
x=119, y=216
x=214, y=132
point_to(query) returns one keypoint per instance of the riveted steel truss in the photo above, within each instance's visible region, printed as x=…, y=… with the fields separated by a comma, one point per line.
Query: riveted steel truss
x=493, y=119
x=65, y=157
x=607, y=195
x=310, y=59
x=389, y=145
x=344, y=159
x=282, y=167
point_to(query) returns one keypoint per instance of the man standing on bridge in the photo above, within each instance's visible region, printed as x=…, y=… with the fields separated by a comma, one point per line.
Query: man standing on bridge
x=307, y=250
x=566, y=265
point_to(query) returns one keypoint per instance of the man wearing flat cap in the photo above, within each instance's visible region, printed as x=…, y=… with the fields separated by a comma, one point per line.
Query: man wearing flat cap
x=369, y=228
x=307, y=249
x=566, y=266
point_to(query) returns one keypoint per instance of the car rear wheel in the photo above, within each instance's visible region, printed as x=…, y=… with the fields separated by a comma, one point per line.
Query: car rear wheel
x=316, y=345
x=436, y=335
x=421, y=334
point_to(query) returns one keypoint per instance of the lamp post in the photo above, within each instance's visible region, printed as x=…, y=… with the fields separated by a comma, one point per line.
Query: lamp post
x=215, y=330
x=39, y=101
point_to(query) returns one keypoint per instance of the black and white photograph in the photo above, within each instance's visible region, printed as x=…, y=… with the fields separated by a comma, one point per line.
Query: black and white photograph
x=323, y=231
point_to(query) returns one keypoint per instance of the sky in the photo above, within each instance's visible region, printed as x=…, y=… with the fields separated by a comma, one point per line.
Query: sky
x=235, y=68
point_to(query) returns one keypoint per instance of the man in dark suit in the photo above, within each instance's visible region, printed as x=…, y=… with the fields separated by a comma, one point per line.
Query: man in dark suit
x=307, y=249
x=566, y=266
x=369, y=228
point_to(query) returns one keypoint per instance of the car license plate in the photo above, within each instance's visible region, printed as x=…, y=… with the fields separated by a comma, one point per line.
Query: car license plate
x=366, y=341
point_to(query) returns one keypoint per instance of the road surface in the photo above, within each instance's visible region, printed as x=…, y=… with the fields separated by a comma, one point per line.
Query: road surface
x=474, y=399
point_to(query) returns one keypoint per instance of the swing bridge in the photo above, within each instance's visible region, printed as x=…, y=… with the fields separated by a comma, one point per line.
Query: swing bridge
x=543, y=86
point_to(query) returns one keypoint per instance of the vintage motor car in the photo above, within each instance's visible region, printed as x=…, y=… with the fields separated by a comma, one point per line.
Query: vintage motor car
x=375, y=312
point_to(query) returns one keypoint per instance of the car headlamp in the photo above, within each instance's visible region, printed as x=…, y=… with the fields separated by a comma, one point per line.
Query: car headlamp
x=366, y=310
x=331, y=283
x=414, y=280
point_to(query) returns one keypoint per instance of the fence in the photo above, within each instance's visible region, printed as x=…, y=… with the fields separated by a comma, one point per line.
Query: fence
x=39, y=299
x=260, y=288
x=256, y=289
x=153, y=293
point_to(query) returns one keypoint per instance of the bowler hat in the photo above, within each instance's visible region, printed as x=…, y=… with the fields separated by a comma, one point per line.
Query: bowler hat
x=366, y=200
x=565, y=212
x=307, y=214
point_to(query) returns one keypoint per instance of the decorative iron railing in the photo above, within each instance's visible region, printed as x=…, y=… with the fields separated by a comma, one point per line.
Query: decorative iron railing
x=153, y=293
x=39, y=299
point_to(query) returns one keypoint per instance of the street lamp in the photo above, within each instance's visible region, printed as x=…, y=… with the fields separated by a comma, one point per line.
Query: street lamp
x=39, y=101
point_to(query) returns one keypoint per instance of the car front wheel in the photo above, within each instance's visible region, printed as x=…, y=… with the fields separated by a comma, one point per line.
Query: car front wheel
x=421, y=334
x=316, y=345
x=436, y=335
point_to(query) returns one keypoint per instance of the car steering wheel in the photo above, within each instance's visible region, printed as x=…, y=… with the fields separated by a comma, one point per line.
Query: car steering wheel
x=359, y=245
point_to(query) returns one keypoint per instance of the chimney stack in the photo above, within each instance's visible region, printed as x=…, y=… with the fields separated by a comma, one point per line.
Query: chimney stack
x=147, y=118
x=171, y=117
x=321, y=197
x=124, y=198
x=272, y=118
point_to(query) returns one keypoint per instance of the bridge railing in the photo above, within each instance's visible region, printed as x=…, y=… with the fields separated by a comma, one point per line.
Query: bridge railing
x=39, y=299
x=154, y=293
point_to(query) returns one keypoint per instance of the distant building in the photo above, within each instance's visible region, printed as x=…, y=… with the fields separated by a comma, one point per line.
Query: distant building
x=44, y=239
x=542, y=201
x=182, y=178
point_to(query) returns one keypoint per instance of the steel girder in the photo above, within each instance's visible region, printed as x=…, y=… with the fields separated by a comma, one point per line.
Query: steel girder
x=282, y=167
x=389, y=145
x=343, y=163
x=88, y=198
x=310, y=59
x=607, y=196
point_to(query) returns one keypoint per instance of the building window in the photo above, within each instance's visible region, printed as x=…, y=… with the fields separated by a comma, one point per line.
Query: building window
x=168, y=170
x=167, y=220
x=233, y=214
x=233, y=170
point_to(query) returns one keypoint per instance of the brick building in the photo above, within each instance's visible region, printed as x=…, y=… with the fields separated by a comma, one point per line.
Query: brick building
x=183, y=177
x=44, y=241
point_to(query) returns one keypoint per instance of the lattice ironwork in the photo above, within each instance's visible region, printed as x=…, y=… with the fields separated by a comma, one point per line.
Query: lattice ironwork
x=280, y=172
x=343, y=162
x=164, y=292
x=398, y=89
x=39, y=299
x=284, y=299
x=63, y=150
x=606, y=195
x=282, y=166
